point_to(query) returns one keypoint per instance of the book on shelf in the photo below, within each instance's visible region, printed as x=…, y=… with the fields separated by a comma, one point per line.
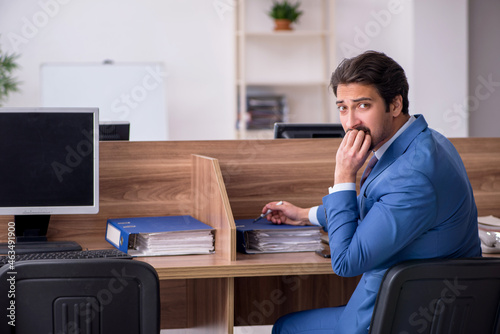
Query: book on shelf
x=262, y=111
x=165, y=235
x=265, y=101
x=263, y=236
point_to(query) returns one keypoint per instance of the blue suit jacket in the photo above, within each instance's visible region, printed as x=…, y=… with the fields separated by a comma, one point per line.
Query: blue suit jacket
x=417, y=203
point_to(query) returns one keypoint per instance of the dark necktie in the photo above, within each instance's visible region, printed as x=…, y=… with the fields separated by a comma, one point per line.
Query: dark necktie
x=368, y=169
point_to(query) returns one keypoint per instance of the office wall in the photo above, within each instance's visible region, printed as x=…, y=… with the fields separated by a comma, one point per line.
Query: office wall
x=381, y=25
x=427, y=37
x=484, y=68
x=192, y=38
x=195, y=41
x=440, y=64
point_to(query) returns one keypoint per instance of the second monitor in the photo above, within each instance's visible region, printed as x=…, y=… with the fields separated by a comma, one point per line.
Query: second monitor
x=308, y=130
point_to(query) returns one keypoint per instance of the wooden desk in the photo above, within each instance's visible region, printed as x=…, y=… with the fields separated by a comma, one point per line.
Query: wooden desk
x=217, y=182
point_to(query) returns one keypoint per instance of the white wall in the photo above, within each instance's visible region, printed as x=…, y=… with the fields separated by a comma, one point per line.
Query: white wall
x=193, y=39
x=484, y=69
x=428, y=38
x=381, y=25
x=440, y=63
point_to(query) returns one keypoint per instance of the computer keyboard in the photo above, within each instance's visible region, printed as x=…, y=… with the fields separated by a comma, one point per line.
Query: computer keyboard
x=83, y=254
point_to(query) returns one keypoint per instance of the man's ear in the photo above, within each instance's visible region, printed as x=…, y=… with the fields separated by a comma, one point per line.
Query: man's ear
x=396, y=106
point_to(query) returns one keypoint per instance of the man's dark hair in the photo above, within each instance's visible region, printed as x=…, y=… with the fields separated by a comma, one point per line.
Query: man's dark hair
x=377, y=69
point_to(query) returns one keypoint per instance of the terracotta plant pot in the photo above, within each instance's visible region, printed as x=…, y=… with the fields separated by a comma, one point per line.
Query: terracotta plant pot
x=280, y=24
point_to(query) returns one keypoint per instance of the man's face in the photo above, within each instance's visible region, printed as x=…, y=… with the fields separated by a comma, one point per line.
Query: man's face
x=362, y=108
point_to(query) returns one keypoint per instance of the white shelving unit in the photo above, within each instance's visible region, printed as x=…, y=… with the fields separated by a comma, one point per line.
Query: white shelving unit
x=296, y=64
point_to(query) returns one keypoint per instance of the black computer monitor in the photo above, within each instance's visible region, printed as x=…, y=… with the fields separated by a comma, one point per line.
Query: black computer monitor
x=308, y=130
x=50, y=166
x=114, y=131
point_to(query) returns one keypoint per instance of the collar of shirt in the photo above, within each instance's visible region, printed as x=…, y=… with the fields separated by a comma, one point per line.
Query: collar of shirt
x=378, y=153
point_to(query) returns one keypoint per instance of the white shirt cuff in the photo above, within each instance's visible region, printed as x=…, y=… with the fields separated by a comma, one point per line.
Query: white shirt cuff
x=342, y=187
x=313, y=218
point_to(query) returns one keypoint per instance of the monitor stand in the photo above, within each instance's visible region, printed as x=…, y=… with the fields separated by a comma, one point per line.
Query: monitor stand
x=31, y=237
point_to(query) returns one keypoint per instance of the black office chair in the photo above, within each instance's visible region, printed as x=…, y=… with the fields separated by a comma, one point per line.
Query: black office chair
x=98, y=296
x=450, y=296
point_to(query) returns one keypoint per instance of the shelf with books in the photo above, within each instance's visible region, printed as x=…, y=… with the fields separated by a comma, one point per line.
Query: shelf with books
x=262, y=111
x=296, y=63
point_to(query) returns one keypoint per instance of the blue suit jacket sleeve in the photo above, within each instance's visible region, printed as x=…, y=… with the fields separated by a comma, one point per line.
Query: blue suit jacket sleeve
x=321, y=216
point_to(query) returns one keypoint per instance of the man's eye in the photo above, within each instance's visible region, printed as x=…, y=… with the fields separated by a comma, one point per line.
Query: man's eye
x=342, y=108
x=364, y=105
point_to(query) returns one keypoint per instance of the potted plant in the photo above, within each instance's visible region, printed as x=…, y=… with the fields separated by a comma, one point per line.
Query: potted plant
x=284, y=13
x=8, y=83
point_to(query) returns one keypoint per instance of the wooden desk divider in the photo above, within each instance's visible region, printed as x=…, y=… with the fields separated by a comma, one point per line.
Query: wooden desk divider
x=211, y=204
x=214, y=297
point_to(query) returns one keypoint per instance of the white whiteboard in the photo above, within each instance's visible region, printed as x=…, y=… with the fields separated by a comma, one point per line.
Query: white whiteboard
x=123, y=92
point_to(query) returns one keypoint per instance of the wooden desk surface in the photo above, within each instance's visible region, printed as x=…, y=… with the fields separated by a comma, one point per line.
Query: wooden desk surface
x=212, y=266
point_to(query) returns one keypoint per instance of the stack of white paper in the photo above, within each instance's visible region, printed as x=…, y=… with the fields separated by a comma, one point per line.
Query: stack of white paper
x=165, y=235
x=285, y=241
x=173, y=243
x=265, y=237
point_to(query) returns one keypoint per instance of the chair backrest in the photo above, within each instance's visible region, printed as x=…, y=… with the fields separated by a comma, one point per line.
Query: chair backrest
x=439, y=296
x=79, y=296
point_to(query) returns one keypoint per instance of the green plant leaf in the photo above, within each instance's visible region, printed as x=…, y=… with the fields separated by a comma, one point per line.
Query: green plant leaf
x=285, y=10
x=8, y=84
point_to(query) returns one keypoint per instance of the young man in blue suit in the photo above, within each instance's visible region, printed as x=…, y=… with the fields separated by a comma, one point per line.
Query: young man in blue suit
x=417, y=202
